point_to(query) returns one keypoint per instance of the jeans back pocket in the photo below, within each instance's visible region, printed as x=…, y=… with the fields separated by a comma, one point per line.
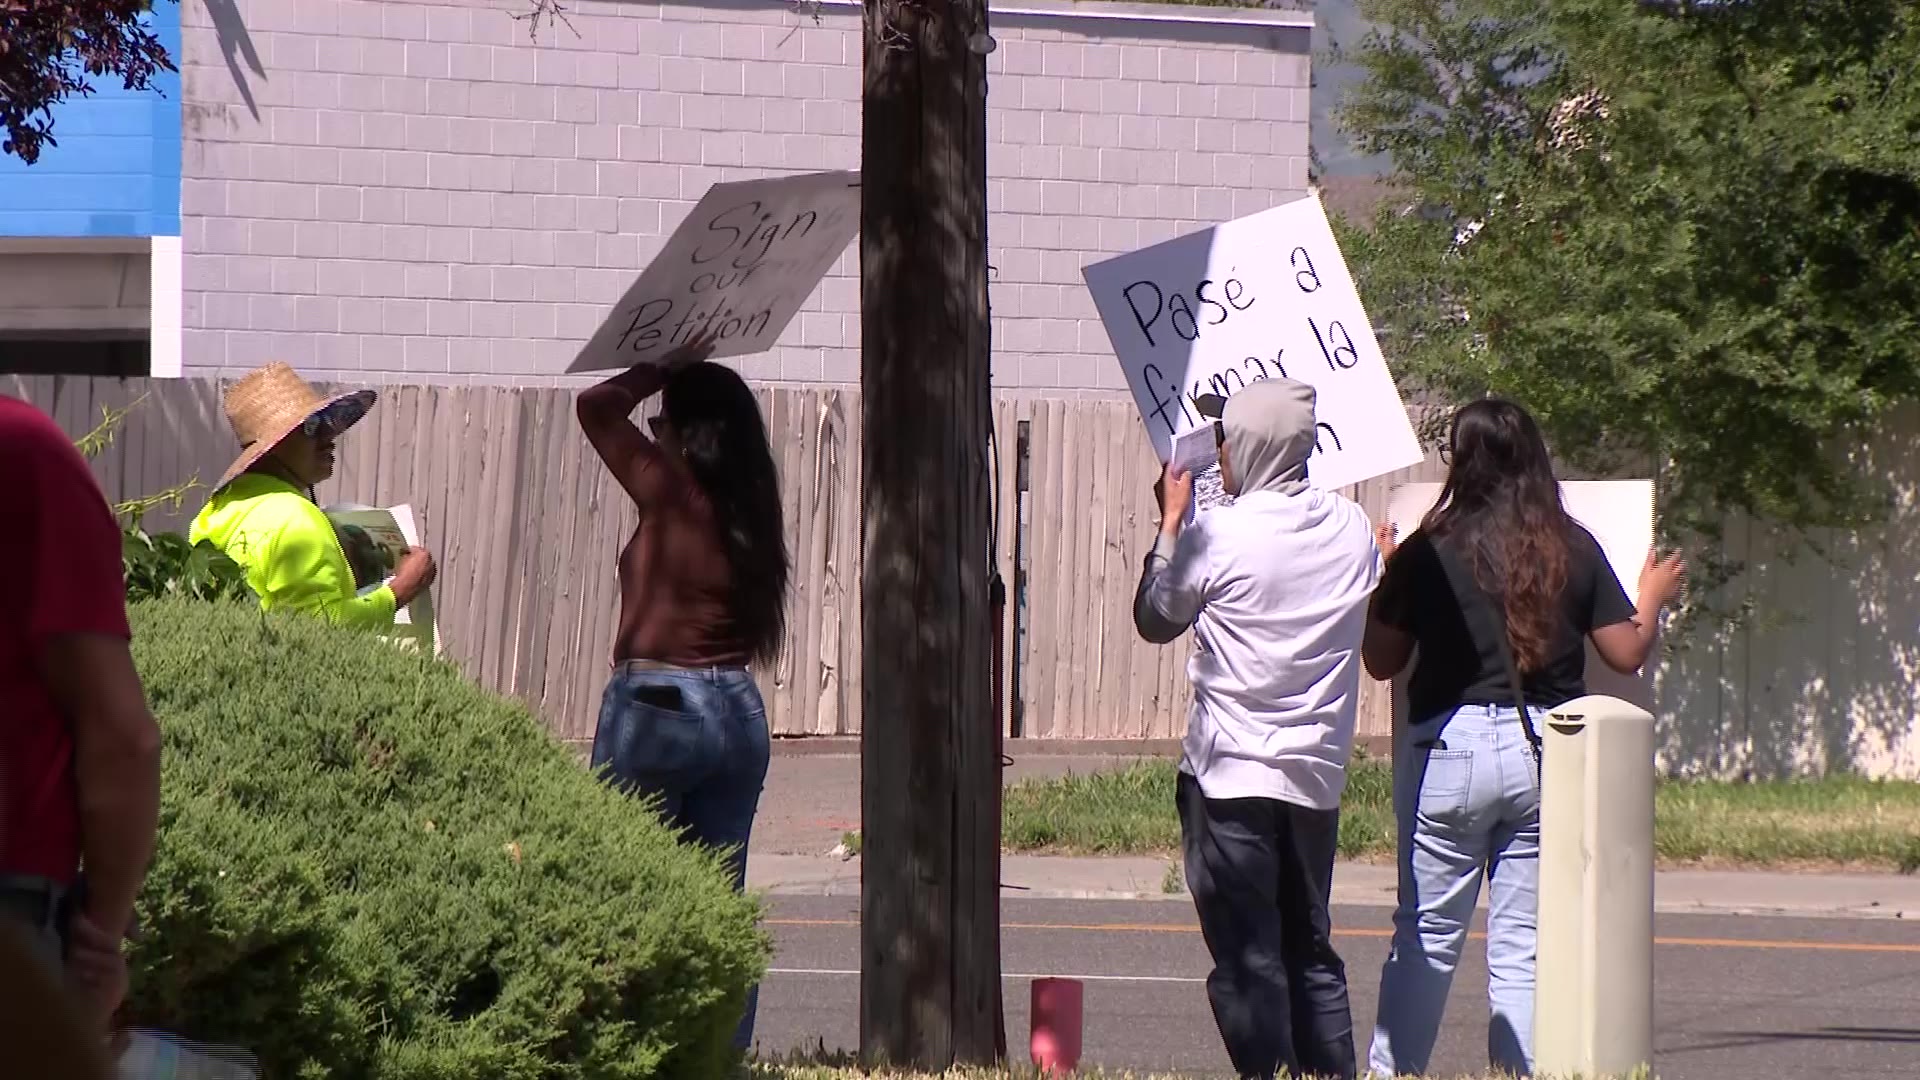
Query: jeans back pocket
x=1446, y=779
x=657, y=746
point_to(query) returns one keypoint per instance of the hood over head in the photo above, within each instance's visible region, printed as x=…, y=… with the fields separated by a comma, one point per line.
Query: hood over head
x=1270, y=434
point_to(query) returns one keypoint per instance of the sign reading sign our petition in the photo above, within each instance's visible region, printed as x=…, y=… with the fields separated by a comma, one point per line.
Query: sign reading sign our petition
x=736, y=270
x=1264, y=296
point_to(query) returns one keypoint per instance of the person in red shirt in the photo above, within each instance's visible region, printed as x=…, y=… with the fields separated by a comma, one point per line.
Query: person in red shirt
x=79, y=752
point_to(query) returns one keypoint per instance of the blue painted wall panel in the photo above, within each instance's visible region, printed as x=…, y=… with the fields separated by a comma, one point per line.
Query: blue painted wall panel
x=116, y=170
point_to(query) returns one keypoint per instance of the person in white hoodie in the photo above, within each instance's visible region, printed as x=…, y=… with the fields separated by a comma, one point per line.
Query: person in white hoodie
x=1275, y=586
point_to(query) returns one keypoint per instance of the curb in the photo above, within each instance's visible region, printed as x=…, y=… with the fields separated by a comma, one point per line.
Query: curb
x=1678, y=892
x=848, y=746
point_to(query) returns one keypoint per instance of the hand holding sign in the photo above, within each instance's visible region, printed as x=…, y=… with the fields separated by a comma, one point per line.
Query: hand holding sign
x=1386, y=537
x=1262, y=297
x=1660, y=579
x=692, y=352
x=1174, y=492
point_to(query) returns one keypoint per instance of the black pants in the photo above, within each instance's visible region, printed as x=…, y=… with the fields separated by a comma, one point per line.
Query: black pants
x=1260, y=871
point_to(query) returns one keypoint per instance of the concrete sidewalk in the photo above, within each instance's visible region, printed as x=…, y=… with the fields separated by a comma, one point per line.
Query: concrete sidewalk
x=812, y=797
x=1851, y=896
x=812, y=800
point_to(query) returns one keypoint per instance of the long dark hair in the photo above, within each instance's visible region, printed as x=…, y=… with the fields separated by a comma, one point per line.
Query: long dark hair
x=717, y=420
x=1500, y=509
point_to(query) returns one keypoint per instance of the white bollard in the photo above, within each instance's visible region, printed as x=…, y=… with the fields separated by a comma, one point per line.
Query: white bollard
x=1593, y=990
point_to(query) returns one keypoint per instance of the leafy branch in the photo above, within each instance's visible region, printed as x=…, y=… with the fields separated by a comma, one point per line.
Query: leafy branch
x=95, y=442
x=51, y=51
x=164, y=563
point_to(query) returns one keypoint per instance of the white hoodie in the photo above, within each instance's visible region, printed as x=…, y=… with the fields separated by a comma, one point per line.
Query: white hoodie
x=1276, y=587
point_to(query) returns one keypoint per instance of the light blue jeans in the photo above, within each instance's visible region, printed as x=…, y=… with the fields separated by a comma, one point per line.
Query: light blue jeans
x=1466, y=792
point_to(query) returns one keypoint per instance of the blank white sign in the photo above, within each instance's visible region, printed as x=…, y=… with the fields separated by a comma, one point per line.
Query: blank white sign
x=1619, y=514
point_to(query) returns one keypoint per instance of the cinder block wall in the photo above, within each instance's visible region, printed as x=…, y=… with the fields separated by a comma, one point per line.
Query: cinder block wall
x=388, y=191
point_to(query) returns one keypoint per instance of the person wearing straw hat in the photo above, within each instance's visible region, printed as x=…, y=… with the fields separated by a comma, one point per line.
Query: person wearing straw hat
x=263, y=514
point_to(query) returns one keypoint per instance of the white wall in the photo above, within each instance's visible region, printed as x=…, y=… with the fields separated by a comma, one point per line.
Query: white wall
x=387, y=191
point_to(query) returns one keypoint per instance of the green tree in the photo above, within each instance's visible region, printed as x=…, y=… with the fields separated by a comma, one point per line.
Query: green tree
x=51, y=50
x=1683, y=234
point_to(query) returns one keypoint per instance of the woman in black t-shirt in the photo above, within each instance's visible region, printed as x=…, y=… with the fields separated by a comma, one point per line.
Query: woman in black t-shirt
x=1497, y=578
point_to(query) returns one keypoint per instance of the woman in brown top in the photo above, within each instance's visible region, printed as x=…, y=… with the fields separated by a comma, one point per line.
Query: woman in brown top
x=703, y=587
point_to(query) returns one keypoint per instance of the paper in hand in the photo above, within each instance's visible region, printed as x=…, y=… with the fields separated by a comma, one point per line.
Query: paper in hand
x=1197, y=453
x=1194, y=451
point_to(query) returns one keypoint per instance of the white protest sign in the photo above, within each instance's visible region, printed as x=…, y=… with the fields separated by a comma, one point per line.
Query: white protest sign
x=1263, y=296
x=739, y=266
x=1619, y=514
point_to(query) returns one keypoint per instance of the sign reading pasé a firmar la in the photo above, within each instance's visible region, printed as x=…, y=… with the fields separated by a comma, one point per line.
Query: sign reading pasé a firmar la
x=1264, y=296
x=738, y=268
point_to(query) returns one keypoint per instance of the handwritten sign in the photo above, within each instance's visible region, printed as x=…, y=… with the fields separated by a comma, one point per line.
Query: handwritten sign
x=738, y=267
x=1264, y=296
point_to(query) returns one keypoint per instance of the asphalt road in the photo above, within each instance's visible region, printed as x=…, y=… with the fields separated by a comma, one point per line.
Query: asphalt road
x=1737, y=997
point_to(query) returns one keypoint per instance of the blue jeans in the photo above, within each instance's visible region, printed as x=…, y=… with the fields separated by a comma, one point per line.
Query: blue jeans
x=696, y=741
x=1466, y=793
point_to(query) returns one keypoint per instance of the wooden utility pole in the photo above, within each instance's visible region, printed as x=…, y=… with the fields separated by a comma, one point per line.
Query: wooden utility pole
x=930, y=753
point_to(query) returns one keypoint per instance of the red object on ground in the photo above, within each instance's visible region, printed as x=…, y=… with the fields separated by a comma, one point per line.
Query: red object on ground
x=1056, y=1014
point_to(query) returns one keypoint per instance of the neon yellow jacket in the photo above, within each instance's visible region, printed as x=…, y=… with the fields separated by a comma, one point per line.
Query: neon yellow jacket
x=290, y=552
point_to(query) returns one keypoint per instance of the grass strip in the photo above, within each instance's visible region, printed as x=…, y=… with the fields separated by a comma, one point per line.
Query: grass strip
x=1834, y=821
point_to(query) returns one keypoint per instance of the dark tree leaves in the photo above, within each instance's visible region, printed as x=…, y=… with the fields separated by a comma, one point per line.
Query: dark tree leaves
x=1687, y=235
x=51, y=50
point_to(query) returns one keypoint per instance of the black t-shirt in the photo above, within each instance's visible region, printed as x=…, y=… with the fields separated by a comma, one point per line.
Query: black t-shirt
x=1458, y=627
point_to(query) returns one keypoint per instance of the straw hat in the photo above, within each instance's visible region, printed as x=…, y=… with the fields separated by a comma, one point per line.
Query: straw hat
x=273, y=402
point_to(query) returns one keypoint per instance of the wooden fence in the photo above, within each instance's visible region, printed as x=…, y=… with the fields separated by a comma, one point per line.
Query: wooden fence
x=1089, y=517
x=527, y=525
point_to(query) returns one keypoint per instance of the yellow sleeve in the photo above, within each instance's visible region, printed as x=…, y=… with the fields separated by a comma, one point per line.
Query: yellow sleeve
x=305, y=570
